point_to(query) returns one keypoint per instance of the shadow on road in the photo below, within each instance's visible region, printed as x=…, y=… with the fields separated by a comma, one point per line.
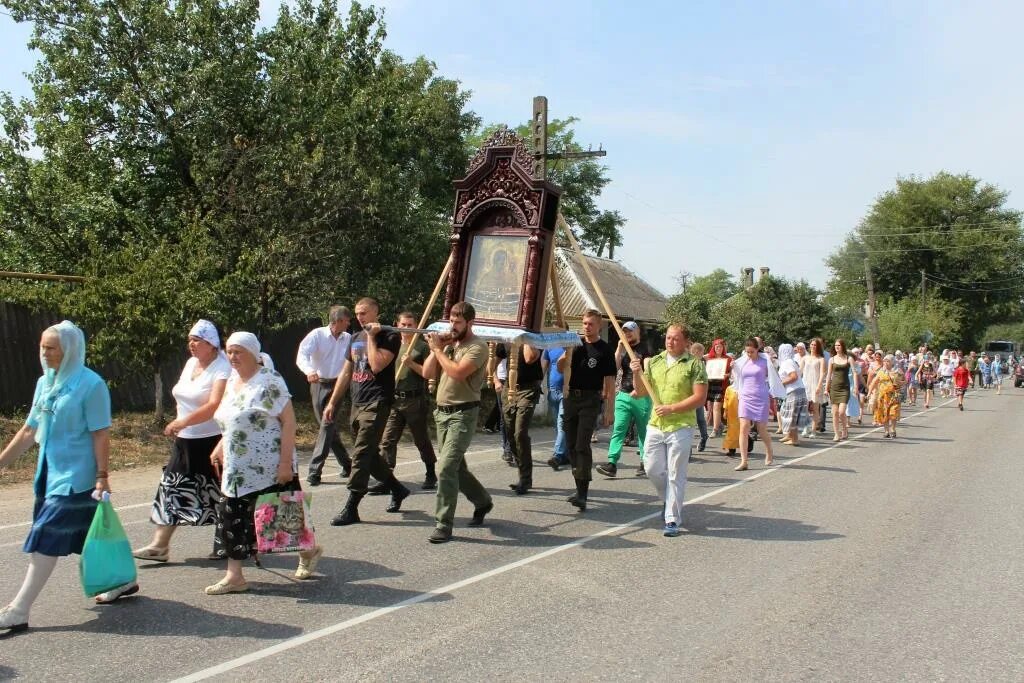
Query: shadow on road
x=726, y=522
x=821, y=468
x=146, y=616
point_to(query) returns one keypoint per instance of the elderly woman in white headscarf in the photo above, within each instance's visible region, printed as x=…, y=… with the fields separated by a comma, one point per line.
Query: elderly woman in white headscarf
x=794, y=414
x=70, y=420
x=189, y=488
x=257, y=452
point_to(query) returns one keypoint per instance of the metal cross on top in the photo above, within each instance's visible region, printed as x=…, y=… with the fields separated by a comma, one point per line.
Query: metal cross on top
x=539, y=128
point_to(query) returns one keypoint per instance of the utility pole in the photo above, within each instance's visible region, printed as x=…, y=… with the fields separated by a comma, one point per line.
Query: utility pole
x=872, y=318
x=924, y=298
x=539, y=129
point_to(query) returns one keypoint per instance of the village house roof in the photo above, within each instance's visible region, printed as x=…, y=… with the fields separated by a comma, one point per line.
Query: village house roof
x=629, y=295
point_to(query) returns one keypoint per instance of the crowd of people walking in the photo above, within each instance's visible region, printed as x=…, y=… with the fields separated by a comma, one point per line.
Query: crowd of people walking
x=234, y=432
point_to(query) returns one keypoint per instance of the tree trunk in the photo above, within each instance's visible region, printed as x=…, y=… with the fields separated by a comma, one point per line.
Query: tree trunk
x=158, y=383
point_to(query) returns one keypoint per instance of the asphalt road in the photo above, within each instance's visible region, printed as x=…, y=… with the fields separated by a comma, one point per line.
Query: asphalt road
x=871, y=560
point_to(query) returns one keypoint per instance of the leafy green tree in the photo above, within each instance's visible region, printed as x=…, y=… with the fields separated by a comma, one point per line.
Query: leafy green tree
x=956, y=229
x=777, y=309
x=190, y=164
x=904, y=325
x=581, y=180
x=1008, y=331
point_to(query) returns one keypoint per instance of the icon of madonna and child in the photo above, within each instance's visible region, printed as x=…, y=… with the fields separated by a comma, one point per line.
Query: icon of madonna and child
x=495, y=280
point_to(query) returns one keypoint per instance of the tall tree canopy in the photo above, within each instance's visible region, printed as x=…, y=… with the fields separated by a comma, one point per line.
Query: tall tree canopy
x=779, y=310
x=581, y=181
x=193, y=165
x=954, y=228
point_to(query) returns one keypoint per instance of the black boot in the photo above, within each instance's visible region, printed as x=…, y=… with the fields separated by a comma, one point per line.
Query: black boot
x=703, y=444
x=350, y=513
x=522, y=487
x=398, y=494
x=430, y=480
x=580, y=499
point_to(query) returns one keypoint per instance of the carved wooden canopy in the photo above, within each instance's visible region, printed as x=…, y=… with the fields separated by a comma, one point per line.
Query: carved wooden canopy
x=502, y=236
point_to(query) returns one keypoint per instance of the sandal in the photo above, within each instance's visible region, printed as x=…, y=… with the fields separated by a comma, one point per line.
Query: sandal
x=307, y=563
x=224, y=587
x=13, y=620
x=152, y=554
x=115, y=594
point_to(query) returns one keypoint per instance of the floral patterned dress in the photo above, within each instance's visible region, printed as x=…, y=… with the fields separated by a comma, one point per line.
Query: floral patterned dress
x=249, y=421
x=887, y=403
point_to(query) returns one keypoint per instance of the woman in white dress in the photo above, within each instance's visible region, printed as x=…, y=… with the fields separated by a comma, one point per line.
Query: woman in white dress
x=814, y=381
x=257, y=454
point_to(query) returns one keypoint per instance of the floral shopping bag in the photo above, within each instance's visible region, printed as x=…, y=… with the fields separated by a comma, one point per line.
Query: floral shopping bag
x=283, y=522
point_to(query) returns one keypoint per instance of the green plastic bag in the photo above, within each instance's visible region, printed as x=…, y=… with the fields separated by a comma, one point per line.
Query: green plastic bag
x=106, y=561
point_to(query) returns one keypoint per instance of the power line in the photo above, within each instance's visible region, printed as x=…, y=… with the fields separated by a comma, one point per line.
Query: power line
x=974, y=289
x=976, y=282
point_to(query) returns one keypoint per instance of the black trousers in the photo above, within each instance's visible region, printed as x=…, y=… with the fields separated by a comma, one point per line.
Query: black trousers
x=581, y=412
x=519, y=407
x=368, y=426
x=413, y=413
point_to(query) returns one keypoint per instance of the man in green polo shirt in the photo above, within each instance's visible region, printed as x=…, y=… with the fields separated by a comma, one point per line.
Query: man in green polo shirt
x=461, y=357
x=680, y=386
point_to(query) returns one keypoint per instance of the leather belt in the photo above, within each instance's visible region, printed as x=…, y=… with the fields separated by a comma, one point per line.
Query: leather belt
x=409, y=394
x=328, y=381
x=579, y=393
x=459, y=407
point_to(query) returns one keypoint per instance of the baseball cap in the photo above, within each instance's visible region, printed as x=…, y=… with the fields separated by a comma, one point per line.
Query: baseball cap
x=630, y=325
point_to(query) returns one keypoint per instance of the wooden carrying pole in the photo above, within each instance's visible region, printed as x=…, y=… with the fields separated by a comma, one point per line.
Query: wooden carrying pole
x=604, y=303
x=402, y=366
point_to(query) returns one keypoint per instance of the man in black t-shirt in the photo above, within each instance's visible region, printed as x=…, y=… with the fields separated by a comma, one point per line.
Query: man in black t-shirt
x=519, y=407
x=592, y=378
x=412, y=405
x=371, y=373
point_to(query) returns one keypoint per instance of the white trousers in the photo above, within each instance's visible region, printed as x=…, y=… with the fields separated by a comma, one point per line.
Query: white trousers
x=666, y=455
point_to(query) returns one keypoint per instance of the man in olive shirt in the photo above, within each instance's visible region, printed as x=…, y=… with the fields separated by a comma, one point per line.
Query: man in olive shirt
x=519, y=407
x=411, y=404
x=462, y=359
x=680, y=382
x=592, y=378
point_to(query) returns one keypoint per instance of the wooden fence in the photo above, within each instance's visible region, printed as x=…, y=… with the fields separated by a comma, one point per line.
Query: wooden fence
x=19, y=363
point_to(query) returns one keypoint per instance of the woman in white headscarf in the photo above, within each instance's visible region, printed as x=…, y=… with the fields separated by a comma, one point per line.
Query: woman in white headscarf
x=188, y=490
x=257, y=453
x=793, y=416
x=70, y=420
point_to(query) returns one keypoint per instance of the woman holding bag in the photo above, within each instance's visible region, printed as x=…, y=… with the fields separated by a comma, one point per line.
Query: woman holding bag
x=188, y=490
x=257, y=454
x=70, y=420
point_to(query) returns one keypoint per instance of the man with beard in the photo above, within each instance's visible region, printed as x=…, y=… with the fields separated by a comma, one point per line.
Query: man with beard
x=592, y=378
x=461, y=358
x=371, y=373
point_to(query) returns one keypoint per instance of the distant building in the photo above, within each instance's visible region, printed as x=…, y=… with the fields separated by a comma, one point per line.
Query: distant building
x=630, y=296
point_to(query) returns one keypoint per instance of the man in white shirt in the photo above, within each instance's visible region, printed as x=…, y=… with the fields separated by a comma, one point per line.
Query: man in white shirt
x=322, y=357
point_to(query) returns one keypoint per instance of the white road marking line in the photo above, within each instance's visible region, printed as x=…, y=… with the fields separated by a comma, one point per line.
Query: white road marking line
x=318, y=634
x=150, y=503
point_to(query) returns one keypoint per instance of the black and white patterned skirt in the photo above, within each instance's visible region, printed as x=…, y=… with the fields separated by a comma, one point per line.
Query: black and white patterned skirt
x=189, y=489
x=794, y=413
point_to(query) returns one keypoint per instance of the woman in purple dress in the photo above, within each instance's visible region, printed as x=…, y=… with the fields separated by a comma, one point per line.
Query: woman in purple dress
x=752, y=370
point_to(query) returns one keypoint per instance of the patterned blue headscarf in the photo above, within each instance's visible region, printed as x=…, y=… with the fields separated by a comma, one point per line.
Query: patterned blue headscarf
x=56, y=380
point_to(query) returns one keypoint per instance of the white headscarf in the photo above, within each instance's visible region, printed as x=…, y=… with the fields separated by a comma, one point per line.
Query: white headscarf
x=72, y=343
x=249, y=342
x=206, y=331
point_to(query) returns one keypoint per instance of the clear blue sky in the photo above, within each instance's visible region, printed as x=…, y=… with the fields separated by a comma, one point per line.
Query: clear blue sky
x=737, y=133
